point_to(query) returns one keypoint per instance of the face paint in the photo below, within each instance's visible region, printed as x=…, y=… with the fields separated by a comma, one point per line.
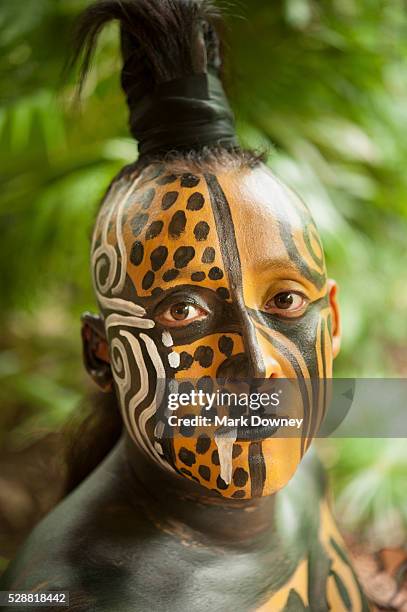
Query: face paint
x=186, y=295
x=224, y=441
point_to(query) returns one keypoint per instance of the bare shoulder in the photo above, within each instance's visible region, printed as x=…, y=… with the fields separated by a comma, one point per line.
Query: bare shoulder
x=68, y=542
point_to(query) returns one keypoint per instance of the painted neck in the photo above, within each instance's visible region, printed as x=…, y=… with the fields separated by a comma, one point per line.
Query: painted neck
x=187, y=506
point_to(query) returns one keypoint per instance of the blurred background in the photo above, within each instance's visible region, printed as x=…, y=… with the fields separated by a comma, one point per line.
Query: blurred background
x=323, y=87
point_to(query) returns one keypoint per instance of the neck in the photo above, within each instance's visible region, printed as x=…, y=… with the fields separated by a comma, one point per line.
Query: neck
x=186, y=505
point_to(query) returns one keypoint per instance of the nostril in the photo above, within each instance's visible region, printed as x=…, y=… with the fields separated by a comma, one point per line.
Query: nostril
x=272, y=368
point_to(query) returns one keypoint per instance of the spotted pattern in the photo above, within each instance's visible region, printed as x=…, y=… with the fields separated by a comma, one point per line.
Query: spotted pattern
x=138, y=223
x=183, y=255
x=167, y=179
x=195, y=201
x=137, y=253
x=198, y=276
x=189, y=180
x=203, y=444
x=154, y=230
x=208, y=256
x=177, y=240
x=169, y=199
x=177, y=224
x=201, y=231
x=225, y=345
x=204, y=356
x=197, y=357
x=158, y=257
x=180, y=215
x=166, y=229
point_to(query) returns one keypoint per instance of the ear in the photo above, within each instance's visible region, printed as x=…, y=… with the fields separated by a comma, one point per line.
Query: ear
x=336, y=317
x=96, y=351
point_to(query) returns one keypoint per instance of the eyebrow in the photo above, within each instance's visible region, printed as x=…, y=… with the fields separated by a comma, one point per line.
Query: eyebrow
x=277, y=263
x=288, y=268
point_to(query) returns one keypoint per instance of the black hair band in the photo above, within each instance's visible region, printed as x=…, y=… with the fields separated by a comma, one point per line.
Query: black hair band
x=184, y=114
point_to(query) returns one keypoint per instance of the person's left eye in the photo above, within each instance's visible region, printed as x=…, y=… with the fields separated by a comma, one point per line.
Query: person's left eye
x=181, y=314
x=287, y=303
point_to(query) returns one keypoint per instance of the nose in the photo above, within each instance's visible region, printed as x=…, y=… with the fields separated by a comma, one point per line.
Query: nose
x=261, y=358
x=242, y=366
x=272, y=368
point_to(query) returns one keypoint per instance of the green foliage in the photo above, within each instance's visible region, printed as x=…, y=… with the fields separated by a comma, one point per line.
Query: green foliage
x=321, y=85
x=368, y=477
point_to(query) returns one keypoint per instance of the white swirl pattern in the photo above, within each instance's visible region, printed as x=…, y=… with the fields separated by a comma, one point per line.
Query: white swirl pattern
x=126, y=347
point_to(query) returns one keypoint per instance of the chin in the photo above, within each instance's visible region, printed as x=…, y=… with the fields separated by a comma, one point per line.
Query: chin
x=255, y=469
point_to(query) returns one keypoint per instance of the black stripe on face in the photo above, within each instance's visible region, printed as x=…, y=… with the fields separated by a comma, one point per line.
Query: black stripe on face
x=318, y=409
x=314, y=410
x=302, y=332
x=316, y=278
x=226, y=233
x=257, y=468
x=312, y=413
x=307, y=239
x=231, y=259
x=287, y=354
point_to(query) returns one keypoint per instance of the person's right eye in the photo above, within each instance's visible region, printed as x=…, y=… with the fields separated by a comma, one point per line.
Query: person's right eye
x=181, y=314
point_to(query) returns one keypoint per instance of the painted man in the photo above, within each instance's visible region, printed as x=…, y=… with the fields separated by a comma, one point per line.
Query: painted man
x=206, y=268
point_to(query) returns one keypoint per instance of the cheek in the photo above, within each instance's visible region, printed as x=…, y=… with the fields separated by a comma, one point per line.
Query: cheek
x=303, y=350
x=282, y=457
x=134, y=368
x=195, y=452
x=303, y=346
x=208, y=356
x=257, y=469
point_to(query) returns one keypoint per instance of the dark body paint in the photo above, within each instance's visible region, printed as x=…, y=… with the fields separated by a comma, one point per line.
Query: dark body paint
x=228, y=312
x=123, y=542
x=133, y=537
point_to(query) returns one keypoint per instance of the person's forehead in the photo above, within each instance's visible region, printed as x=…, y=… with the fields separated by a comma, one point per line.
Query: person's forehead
x=176, y=228
x=172, y=238
x=274, y=232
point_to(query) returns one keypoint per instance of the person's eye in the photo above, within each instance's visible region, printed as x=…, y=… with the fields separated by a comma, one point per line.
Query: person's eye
x=287, y=303
x=181, y=314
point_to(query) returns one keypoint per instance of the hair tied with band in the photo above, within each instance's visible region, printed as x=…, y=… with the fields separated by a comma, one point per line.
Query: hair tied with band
x=170, y=74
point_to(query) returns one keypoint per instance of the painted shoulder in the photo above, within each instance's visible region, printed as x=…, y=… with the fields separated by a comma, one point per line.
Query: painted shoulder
x=56, y=550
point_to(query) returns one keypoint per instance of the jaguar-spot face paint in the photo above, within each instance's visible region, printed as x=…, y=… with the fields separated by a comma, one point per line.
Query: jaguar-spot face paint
x=204, y=276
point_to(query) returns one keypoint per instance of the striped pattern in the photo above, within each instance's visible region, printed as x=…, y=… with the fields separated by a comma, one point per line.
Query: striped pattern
x=161, y=231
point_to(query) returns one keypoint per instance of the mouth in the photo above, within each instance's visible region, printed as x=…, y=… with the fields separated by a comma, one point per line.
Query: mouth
x=226, y=436
x=255, y=433
x=244, y=433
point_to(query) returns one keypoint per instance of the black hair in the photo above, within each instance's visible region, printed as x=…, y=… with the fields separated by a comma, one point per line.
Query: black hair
x=171, y=71
x=171, y=59
x=160, y=38
x=89, y=435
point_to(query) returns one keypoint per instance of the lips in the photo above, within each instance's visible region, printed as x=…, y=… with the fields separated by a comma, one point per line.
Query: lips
x=252, y=433
x=255, y=433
